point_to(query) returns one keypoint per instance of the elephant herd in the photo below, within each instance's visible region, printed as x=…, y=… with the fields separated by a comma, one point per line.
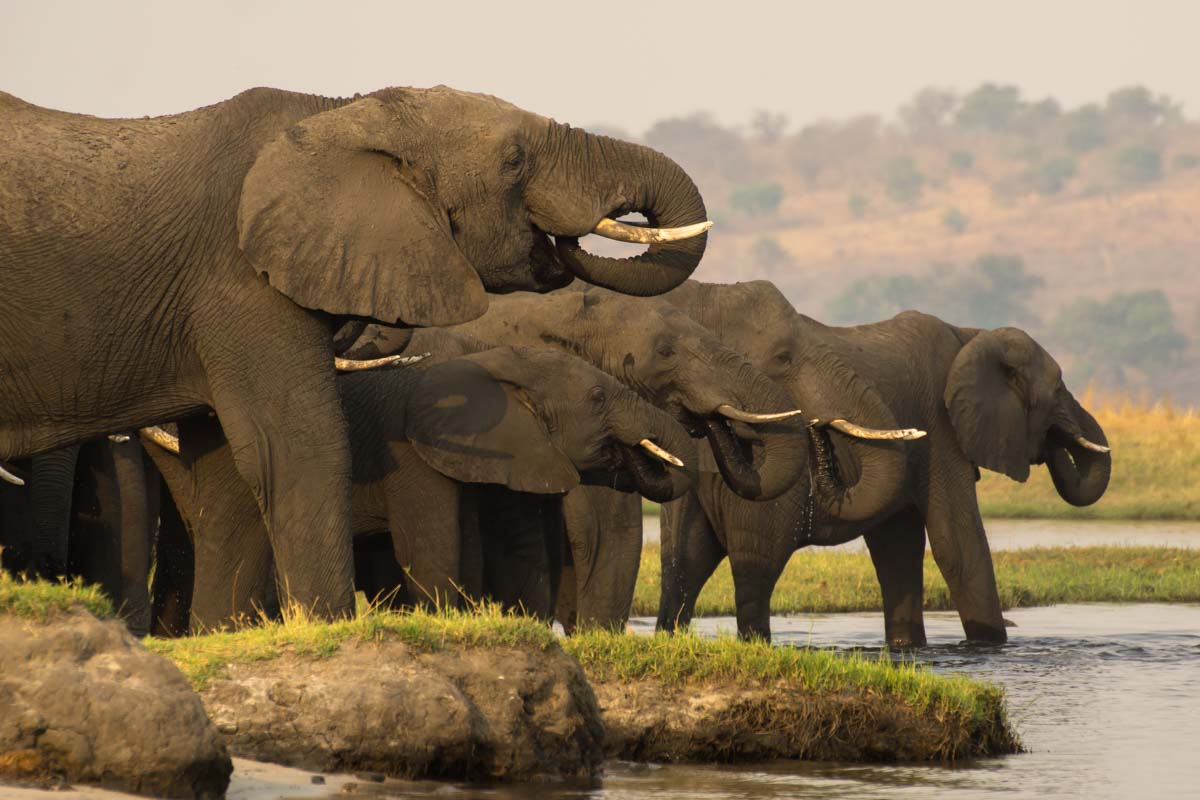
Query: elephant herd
x=285, y=348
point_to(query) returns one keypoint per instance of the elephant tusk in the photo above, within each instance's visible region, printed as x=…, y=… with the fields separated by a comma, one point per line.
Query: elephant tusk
x=5, y=475
x=1095, y=448
x=161, y=438
x=726, y=410
x=119, y=438
x=636, y=233
x=858, y=431
x=350, y=365
x=658, y=452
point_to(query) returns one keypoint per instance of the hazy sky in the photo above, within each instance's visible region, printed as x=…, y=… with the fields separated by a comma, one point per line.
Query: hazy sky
x=624, y=64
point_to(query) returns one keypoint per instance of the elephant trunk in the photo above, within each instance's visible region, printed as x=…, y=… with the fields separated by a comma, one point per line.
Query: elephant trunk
x=53, y=481
x=582, y=179
x=1080, y=474
x=634, y=421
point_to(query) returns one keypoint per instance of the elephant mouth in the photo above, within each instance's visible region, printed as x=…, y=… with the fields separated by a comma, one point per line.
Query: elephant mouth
x=632, y=468
x=538, y=270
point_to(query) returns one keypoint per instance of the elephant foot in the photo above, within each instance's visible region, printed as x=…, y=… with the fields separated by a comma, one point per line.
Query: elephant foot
x=983, y=633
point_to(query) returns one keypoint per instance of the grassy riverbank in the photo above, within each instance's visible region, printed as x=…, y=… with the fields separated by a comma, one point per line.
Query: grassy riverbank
x=827, y=581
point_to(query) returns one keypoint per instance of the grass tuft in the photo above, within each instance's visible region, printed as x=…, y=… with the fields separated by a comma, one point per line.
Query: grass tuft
x=204, y=656
x=830, y=581
x=37, y=599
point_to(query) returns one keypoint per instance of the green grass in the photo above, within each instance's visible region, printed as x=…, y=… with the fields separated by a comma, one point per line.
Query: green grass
x=687, y=658
x=41, y=599
x=827, y=581
x=202, y=657
x=1156, y=470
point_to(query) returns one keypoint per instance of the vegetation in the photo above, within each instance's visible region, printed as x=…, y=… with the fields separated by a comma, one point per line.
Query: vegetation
x=1137, y=164
x=955, y=221
x=903, y=180
x=688, y=658
x=42, y=599
x=757, y=199
x=826, y=581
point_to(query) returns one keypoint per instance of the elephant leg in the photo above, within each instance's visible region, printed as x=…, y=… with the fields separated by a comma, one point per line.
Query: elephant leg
x=516, y=529
x=604, y=530
x=897, y=548
x=754, y=577
x=51, y=489
x=282, y=414
x=377, y=573
x=137, y=491
x=690, y=551
x=960, y=548
x=566, y=605
x=423, y=516
x=174, y=568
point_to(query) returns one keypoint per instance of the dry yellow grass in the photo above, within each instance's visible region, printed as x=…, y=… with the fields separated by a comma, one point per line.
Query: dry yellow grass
x=1156, y=468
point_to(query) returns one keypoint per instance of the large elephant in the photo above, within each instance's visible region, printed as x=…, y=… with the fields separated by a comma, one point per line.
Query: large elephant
x=992, y=399
x=88, y=511
x=533, y=421
x=150, y=268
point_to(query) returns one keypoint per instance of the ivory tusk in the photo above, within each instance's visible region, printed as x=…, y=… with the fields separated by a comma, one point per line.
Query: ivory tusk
x=119, y=438
x=161, y=438
x=350, y=365
x=658, y=452
x=643, y=234
x=858, y=431
x=5, y=475
x=731, y=412
x=1095, y=448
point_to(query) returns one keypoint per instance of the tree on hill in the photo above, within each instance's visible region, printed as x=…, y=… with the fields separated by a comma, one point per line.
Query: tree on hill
x=992, y=291
x=1128, y=331
x=990, y=107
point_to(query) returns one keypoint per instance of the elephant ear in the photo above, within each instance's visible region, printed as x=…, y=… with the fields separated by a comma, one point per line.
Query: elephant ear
x=339, y=219
x=985, y=395
x=475, y=428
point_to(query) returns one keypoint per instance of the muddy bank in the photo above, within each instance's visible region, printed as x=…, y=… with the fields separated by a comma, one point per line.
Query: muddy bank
x=724, y=722
x=82, y=701
x=466, y=713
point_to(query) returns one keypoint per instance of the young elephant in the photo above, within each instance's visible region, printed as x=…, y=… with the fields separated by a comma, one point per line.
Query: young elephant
x=992, y=399
x=536, y=421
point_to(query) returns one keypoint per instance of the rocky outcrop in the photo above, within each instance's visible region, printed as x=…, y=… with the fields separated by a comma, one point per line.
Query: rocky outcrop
x=648, y=721
x=82, y=701
x=466, y=713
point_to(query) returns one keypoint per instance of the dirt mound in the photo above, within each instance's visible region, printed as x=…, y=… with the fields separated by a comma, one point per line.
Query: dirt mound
x=647, y=721
x=82, y=701
x=464, y=713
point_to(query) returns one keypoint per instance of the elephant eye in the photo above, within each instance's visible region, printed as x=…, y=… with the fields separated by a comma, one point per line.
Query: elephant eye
x=514, y=158
x=783, y=358
x=597, y=395
x=665, y=349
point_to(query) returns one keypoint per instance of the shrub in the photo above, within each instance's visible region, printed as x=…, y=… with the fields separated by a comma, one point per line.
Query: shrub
x=989, y=107
x=1050, y=177
x=904, y=181
x=1184, y=161
x=961, y=160
x=1085, y=129
x=1137, y=164
x=757, y=199
x=955, y=221
x=768, y=254
x=858, y=205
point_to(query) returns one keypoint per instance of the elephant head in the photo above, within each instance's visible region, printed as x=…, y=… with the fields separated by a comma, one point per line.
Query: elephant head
x=1010, y=409
x=673, y=362
x=537, y=420
x=856, y=456
x=404, y=206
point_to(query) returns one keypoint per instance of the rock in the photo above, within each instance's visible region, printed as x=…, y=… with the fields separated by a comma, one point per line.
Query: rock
x=82, y=700
x=463, y=713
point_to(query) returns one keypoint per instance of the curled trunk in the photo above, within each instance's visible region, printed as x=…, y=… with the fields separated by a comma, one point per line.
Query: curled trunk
x=1080, y=475
x=617, y=178
x=634, y=420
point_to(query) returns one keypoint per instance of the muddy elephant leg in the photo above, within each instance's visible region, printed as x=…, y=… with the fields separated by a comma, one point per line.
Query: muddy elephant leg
x=51, y=489
x=897, y=548
x=604, y=532
x=522, y=561
x=754, y=577
x=174, y=571
x=137, y=487
x=960, y=548
x=690, y=551
x=280, y=409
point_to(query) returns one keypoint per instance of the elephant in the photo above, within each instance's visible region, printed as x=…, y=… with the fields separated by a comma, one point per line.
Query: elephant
x=987, y=398
x=88, y=511
x=531, y=420
x=151, y=268
x=748, y=421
